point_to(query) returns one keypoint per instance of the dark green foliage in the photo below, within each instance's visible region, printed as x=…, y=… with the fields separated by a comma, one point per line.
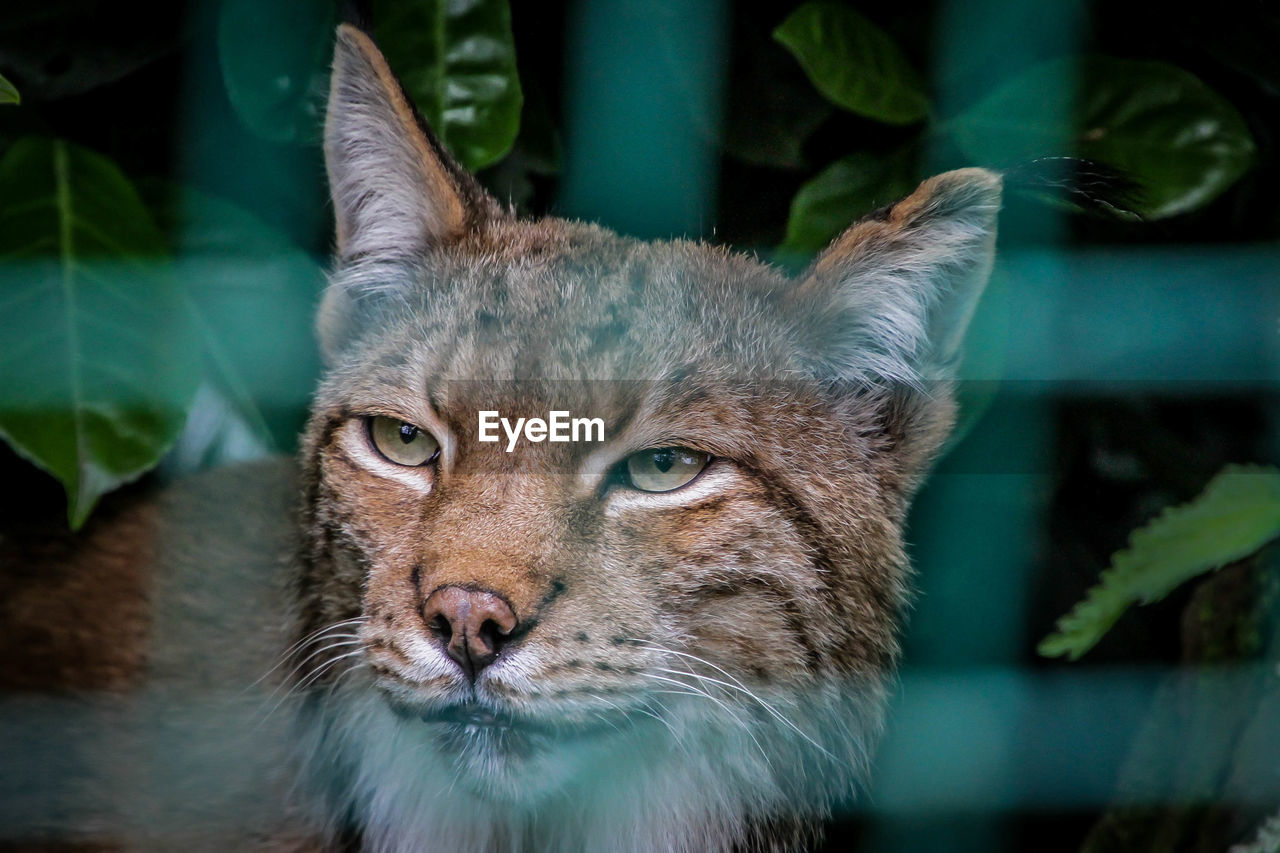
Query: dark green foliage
x=854, y=63
x=858, y=182
x=250, y=292
x=98, y=363
x=458, y=63
x=118, y=305
x=1180, y=140
x=275, y=65
x=1237, y=514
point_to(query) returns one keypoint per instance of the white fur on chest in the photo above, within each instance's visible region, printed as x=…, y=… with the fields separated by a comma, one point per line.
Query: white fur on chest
x=691, y=783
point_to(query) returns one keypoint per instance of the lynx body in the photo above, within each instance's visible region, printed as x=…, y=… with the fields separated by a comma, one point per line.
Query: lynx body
x=417, y=639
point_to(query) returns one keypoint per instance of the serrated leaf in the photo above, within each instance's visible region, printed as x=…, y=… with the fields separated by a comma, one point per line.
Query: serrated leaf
x=8, y=92
x=457, y=60
x=275, y=65
x=854, y=63
x=97, y=359
x=1182, y=141
x=843, y=192
x=1238, y=513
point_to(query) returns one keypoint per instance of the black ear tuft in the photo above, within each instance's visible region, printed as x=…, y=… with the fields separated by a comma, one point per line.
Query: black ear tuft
x=1084, y=184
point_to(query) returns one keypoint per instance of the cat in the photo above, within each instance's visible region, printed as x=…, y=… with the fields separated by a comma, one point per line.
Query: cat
x=677, y=638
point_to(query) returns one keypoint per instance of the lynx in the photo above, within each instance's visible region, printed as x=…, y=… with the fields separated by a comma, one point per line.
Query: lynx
x=677, y=638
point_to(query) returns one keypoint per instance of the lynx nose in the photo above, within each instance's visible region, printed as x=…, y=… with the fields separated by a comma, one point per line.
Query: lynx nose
x=473, y=625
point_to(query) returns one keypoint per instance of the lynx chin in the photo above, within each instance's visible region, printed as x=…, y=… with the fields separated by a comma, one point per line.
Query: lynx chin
x=419, y=637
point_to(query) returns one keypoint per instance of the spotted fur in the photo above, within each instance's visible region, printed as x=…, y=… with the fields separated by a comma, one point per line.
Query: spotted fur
x=703, y=669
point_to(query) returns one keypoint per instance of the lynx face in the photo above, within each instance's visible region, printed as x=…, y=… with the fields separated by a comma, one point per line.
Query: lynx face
x=674, y=638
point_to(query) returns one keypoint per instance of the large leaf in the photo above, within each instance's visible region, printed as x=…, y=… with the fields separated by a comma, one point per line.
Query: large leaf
x=96, y=349
x=60, y=48
x=854, y=63
x=275, y=65
x=457, y=59
x=536, y=154
x=773, y=108
x=1238, y=513
x=8, y=92
x=252, y=294
x=848, y=189
x=1181, y=140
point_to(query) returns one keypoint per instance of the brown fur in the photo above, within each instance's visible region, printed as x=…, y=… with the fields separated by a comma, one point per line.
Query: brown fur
x=95, y=583
x=698, y=670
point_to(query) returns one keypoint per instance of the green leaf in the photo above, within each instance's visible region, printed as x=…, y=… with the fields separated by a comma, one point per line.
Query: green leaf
x=60, y=48
x=251, y=294
x=1238, y=513
x=536, y=152
x=773, y=108
x=275, y=65
x=849, y=188
x=854, y=63
x=1180, y=139
x=457, y=60
x=97, y=358
x=8, y=92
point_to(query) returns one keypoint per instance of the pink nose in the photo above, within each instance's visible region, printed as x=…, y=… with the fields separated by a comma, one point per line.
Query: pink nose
x=472, y=624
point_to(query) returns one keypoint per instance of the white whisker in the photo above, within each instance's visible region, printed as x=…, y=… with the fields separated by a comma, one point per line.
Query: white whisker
x=310, y=679
x=705, y=695
x=750, y=694
x=735, y=684
x=314, y=636
x=322, y=668
x=284, y=681
x=662, y=718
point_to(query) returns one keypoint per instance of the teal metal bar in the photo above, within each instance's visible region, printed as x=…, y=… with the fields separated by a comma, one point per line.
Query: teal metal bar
x=645, y=82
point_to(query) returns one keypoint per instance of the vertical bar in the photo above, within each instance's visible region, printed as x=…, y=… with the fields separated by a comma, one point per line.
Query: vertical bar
x=645, y=83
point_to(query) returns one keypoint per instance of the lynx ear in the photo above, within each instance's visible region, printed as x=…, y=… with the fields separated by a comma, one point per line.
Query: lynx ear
x=395, y=190
x=888, y=301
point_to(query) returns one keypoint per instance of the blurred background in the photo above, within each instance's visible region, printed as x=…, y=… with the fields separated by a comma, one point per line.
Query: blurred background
x=164, y=227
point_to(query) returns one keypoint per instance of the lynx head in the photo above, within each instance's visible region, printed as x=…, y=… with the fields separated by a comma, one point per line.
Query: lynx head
x=673, y=637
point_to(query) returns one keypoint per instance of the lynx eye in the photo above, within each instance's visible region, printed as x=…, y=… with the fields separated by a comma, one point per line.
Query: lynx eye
x=402, y=443
x=664, y=469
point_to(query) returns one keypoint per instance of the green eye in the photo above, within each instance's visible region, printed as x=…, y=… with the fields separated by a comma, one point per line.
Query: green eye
x=665, y=468
x=402, y=443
